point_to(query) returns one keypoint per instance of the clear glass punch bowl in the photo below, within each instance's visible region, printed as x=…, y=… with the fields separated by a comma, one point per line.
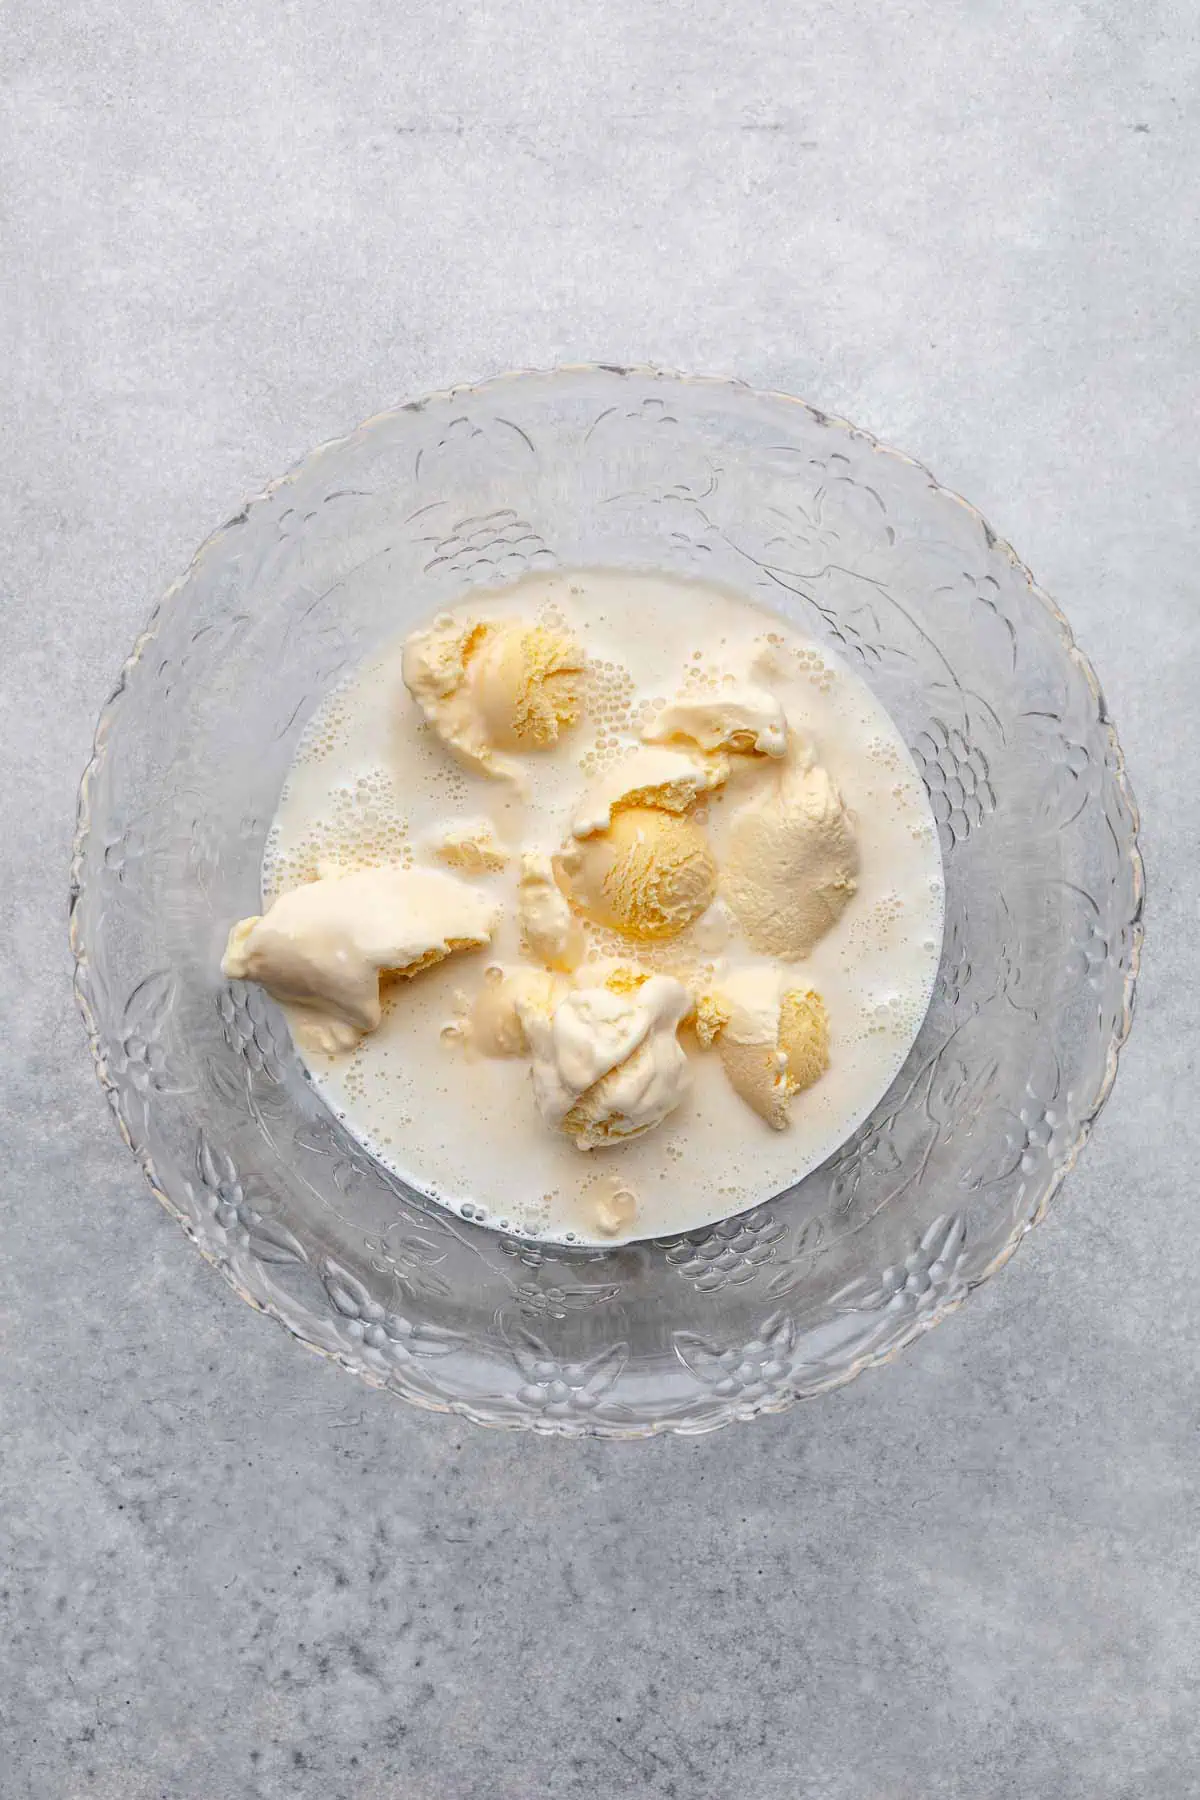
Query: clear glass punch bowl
x=858, y=546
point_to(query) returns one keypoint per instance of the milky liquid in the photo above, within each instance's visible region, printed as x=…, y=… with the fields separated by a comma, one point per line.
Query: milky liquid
x=371, y=783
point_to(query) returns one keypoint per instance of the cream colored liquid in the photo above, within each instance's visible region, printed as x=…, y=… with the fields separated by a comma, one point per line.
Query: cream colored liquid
x=371, y=783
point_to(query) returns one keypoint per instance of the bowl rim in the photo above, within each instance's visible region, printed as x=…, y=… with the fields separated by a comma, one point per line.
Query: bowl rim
x=774, y=1403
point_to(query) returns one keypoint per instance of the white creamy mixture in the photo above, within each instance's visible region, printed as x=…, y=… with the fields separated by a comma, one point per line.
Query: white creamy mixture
x=446, y=1091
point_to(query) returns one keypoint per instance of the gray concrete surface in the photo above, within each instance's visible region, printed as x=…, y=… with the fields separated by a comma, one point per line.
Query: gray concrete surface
x=230, y=231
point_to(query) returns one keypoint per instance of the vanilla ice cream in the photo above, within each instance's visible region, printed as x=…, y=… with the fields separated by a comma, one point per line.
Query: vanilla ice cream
x=615, y=1208
x=321, y=948
x=527, y=682
x=492, y=1026
x=649, y=875
x=549, y=933
x=471, y=846
x=791, y=864
x=738, y=716
x=607, y=1063
x=488, y=686
x=772, y=1044
x=656, y=775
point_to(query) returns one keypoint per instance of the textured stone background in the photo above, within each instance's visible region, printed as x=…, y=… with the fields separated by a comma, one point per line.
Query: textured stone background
x=230, y=231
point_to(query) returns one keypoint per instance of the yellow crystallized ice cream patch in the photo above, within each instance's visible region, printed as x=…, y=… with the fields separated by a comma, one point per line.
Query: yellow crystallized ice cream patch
x=711, y=1014
x=624, y=980
x=529, y=681
x=804, y=1038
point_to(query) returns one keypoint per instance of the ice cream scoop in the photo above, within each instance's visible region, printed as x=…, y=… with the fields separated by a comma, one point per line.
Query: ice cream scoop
x=740, y=717
x=434, y=666
x=527, y=681
x=607, y=1064
x=488, y=686
x=658, y=775
x=321, y=948
x=791, y=863
x=492, y=1026
x=649, y=875
x=772, y=1044
x=549, y=933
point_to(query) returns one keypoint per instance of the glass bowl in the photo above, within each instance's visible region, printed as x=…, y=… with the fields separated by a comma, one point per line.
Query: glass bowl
x=855, y=544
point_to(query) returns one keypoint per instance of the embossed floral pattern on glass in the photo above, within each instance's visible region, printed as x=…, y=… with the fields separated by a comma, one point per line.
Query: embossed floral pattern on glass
x=854, y=544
